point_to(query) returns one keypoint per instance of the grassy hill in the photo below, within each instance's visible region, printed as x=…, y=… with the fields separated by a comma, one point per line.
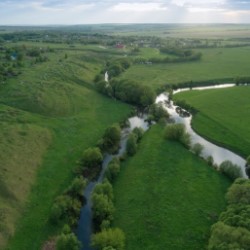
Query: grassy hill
x=223, y=117
x=49, y=115
x=166, y=197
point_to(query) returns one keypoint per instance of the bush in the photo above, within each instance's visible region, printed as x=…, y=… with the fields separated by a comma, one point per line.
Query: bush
x=197, y=148
x=157, y=112
x=138, y=132
x=67, y=240
x=111, y=138
x=231, y=170
x=66, y=209
x=177, y=132
x=131, y=146
x=104, y=188
x=247, y=170
x=92, y=157
x=237, y=216
x=113, y=169
x=224, y=237
x=75, y=190
x=112, y=238
x=102, y=207
x=239, y=192
x=210, y=160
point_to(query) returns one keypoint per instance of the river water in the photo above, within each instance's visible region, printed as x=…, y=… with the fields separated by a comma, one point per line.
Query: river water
x=85, y=227
x=219, y=154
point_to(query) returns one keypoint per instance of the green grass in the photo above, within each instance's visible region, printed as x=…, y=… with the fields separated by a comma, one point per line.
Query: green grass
x=224, y=116
x=166, y=197
x=49, y=115
x=219, y=63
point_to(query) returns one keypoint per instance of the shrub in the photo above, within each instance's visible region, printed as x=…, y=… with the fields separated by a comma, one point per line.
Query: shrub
x=224, y=237
x=138, y=132
x=113, y=169
x=247, y=170
x=131, y=146
x=67, y=240
x=65, y=208
x=102, y=208
x=231, y=170
x=237, y=216
x=197, y=148
x=92, y=157
x=156, y=112
x=104, y=188
x=177, y=132
x=75, y=190
x=111, y=138
x=239, y=192
x=112, y=238
x=210, y=160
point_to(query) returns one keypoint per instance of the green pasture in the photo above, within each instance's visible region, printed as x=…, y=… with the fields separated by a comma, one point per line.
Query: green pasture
x=49, y=115
x=216, y=63
x=166, y=197
x=223, y=116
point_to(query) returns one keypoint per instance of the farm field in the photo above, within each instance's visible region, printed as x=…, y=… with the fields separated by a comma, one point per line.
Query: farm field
x=166, y=197
x=49, y=115
x=221, y=64
x=223, y=117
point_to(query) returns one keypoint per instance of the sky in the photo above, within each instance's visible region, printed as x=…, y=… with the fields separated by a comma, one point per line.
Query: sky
x=47, y=12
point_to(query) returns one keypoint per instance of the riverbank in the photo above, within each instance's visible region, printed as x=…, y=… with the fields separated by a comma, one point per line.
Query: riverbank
x=166, y=197
x=223, y=116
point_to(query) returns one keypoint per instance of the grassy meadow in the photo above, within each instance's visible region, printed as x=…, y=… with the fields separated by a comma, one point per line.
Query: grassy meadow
x=216, y=63
x=49, y=115
x=223, y=117
x=166, y=197
x=50, y=112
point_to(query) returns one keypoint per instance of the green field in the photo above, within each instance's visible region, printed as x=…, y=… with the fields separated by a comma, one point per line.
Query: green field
x=223, y=117
x=216, y=63
x=49, y=115
x=166, y=197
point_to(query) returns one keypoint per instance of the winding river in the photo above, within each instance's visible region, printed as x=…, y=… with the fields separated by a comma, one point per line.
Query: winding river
x=219, y=154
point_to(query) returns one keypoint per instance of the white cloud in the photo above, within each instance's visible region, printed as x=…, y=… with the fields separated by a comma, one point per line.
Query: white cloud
x=138, y=7
x=200, y=10
x=197, y=3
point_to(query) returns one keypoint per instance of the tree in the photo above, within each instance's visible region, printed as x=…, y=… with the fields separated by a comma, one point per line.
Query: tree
x=111, y=138
x=131, y=146
x=102, y=207
x=76, y=188
x=104, y=188
x=92, y=157
x=112, y=238
x=65, y=208
x=67, y=240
